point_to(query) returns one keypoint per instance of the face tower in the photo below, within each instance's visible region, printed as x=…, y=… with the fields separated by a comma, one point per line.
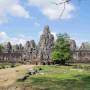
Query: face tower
x=45, y=45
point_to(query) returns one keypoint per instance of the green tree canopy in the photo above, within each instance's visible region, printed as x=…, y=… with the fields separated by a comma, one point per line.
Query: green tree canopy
x=61, y=51
x=1, y=48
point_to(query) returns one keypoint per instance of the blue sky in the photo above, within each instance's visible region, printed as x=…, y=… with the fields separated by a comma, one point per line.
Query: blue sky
x=22, y=20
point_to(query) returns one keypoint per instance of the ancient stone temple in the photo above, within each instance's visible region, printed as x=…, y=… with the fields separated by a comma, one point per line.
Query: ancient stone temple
x=33, y=53
x=45, y=45
x=30, y=51
x=82, y=54
x=73, y=45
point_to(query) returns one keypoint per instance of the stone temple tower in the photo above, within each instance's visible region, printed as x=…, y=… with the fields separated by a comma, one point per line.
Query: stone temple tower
x=45, y=45
x=73, y=45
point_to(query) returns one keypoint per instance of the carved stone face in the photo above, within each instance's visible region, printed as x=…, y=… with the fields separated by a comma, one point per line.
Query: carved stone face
x=46, y=30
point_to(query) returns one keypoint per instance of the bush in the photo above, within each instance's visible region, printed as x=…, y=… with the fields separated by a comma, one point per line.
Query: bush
x=13, y=65
x=40, y=69
x=2, y=67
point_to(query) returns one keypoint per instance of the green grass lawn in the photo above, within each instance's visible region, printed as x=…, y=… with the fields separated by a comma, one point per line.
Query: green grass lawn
x=75, y=77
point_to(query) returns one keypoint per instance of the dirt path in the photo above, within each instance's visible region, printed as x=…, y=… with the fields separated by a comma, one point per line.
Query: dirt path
x=10, y=75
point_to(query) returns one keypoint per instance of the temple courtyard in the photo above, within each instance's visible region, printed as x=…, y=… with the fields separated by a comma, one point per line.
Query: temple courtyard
x=48, y=77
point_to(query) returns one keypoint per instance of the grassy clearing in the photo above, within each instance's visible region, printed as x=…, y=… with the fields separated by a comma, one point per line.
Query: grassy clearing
x=76, y=77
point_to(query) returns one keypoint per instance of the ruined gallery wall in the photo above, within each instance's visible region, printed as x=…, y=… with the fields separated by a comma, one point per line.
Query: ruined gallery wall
x=39, y=54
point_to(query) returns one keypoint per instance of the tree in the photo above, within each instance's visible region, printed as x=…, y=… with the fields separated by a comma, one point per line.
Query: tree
x=1, y=48
x=55, y=55
x=61, y=51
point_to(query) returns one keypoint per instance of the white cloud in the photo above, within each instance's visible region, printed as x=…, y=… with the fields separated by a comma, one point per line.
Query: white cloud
x=11, y=7
x=53, y=11
x=54, y=34
x=20, y=39
x=14, y=40
x=3, y=37
x=17, y=40
x=18, y=10
x=40, y=33
x=37, y=24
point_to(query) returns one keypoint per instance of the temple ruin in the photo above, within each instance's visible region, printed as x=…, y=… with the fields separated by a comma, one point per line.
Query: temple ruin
x=40, y=53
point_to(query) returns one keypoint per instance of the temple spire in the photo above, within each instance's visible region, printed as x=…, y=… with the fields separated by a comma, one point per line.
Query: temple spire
x=46, y=30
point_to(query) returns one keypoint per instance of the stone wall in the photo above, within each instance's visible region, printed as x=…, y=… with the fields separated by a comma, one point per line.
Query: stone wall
x=30, y=52
x=40, y=53
x=80, y=55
